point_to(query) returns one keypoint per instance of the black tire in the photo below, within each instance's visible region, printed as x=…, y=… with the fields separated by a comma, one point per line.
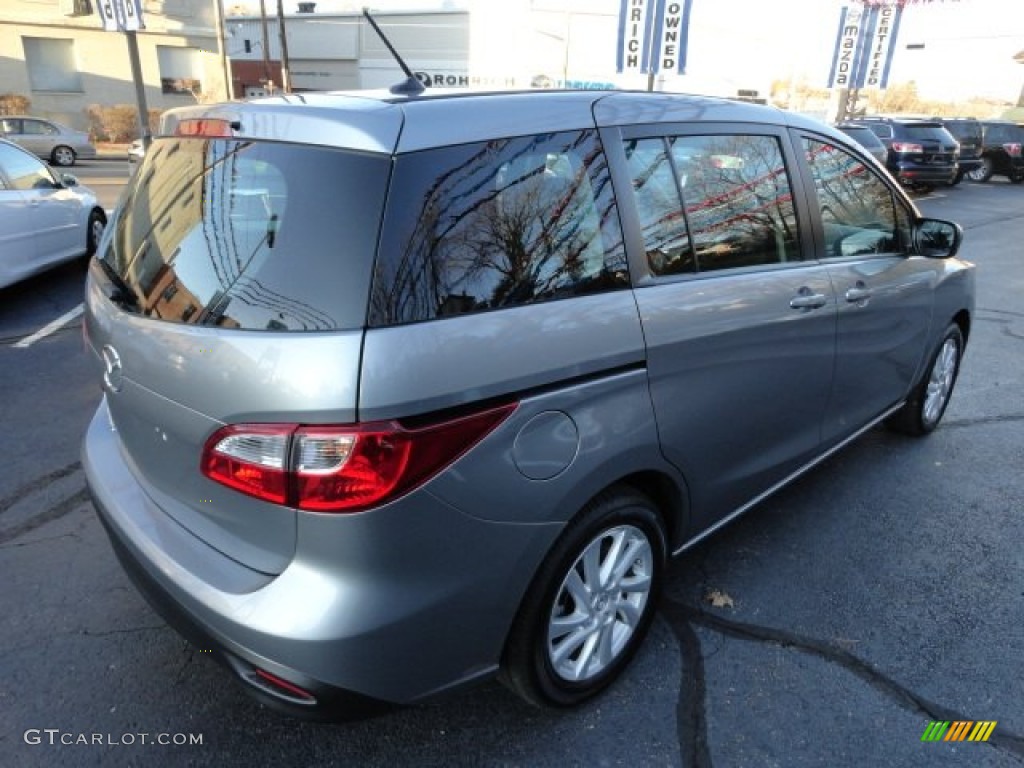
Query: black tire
x=62, y=156
x=957, y=179
x=921, y=414
x=528, y=667
x=93, y=233
x=1017, y=178
x=983, y=172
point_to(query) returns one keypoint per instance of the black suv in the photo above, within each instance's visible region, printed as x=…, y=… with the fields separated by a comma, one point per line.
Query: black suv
x=922, y=153
x=969, y=132
x=1001, y=152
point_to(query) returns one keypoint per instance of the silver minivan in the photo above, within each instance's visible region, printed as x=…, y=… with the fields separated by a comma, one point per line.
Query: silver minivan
x=405, y=392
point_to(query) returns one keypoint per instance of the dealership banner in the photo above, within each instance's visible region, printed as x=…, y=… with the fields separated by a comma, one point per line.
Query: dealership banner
x=864, y=47
x=653, y=36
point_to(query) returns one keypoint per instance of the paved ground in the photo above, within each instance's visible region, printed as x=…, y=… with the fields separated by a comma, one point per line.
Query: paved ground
x=882, y=591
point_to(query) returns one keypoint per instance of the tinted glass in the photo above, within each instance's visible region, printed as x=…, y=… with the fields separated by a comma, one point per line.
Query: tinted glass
x=497, y=224
x=881, y=130
x=928, y=132
x=859, y=212
x=666, y=240
x=965, y=130
x=863, y=136
x=737, y=200
x=251, y=235
x=24, y=170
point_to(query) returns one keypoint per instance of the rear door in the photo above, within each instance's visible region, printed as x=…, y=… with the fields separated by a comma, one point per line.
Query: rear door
x=884, y=293
x=740, y=329
x=233, y=289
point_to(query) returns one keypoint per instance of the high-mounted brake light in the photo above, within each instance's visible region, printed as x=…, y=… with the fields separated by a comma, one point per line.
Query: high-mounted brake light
x=211, y=127
x=345, y=468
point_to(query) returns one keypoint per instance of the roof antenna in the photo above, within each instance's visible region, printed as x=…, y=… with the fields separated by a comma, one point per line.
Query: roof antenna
x=411, y=86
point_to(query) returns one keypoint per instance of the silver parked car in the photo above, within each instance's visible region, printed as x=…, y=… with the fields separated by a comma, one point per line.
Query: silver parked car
x=403, y=392
x=44, y=220
x=53, y=142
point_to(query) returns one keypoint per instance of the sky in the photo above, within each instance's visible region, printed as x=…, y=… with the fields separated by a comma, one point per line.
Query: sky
x=968, y=44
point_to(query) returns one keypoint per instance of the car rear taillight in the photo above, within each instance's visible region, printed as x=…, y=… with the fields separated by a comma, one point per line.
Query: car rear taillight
x=1012, y=149
x=906, y=146
x=345, y=468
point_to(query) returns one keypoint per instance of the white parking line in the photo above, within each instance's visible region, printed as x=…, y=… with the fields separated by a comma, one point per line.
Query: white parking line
x=49, y=328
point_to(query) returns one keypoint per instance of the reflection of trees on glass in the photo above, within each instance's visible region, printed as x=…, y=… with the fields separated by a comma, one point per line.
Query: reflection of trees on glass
x=231, y=233
x=858, y=211
x=504, y=223
x=666, y=240
x=738, y=200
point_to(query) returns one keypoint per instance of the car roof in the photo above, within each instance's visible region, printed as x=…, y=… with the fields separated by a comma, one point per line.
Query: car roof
x=380, y=121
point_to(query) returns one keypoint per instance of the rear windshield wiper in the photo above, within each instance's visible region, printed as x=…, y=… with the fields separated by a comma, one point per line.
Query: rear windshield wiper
x=116, y=289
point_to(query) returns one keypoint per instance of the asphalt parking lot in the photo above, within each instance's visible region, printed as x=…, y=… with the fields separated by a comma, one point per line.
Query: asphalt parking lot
x=828, y=627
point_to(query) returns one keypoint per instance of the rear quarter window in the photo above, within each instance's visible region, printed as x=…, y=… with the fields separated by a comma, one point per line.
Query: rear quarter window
x=497, y=224
x=251, y=235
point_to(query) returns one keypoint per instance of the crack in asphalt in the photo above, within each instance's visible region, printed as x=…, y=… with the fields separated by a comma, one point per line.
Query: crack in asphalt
x=1008, y=418
x=38, y=484
x=692, y=696
x=122, y=631
x=691, y=708
x=55, y=512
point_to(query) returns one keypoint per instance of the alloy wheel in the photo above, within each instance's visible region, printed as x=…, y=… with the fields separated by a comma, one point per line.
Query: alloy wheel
x=599, y=603
x=940, y=381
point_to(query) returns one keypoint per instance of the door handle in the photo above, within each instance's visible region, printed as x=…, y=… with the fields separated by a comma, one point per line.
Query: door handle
x=808, y=300
x=858, y=293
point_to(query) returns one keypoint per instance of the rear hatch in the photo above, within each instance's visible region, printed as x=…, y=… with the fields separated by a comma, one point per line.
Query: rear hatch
x=926, y=144
x=232, y=288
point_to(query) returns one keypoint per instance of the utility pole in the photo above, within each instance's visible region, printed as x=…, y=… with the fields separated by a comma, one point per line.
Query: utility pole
x=222, y=50
x=267, y=79
x=286, y=75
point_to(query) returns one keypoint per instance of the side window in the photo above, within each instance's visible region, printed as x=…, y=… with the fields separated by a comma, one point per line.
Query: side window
x=737, y=200
x=24, y=170
x=736, y=205
x=497, y=224
x=666, y=239
x=859, y=212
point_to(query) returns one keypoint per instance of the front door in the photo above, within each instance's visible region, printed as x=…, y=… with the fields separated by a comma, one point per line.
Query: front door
x=883, y=292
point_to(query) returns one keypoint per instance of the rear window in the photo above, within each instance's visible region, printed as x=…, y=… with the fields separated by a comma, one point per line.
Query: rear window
x=251, y=235
x=864, y=136
x=930, y=132
x=965, y=130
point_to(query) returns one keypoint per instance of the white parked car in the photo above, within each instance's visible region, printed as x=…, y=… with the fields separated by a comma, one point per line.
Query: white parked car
x=45, y=220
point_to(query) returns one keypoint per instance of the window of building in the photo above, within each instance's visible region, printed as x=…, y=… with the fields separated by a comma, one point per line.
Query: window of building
x=497, y=224
x=859, y=213
x=180, y=69
x=51, y=64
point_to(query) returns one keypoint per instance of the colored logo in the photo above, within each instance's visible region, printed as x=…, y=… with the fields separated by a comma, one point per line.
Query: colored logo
x=959, y=730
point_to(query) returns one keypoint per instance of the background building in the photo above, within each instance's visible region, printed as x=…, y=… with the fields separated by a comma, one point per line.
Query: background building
x=340, y=51
x=65, y=62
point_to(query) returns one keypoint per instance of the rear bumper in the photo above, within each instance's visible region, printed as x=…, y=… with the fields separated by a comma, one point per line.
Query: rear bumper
x=913, y=173
x=376, y=609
